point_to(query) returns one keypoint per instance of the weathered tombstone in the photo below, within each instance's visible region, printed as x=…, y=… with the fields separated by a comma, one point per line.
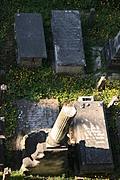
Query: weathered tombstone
x=48, y=155
x=33, y=117
x=96, y=54
x=111, y=53
x=30, y=39
x=7, y=173
x=2, y=137
x=67, y=41
x=91, y=15
x=93, y=148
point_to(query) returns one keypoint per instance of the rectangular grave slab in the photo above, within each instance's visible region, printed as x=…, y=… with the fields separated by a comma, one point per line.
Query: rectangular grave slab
x=29, y=34
x=94, y=152
x=111, y=53
x=67, y=41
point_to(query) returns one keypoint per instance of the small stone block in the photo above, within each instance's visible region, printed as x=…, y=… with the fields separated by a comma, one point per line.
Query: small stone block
x=101, y=83
x=114, y=101
x=91, y=15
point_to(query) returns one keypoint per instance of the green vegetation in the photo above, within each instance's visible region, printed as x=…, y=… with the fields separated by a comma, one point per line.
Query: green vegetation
x=38, y=83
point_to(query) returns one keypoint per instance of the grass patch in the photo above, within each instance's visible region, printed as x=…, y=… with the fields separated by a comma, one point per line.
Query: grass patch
x=35, y=84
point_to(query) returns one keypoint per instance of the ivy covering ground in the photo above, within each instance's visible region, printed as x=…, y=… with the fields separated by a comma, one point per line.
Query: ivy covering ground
x=38, y=83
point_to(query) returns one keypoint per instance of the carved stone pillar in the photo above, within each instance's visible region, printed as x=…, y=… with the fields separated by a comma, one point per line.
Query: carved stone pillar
x=61, y=126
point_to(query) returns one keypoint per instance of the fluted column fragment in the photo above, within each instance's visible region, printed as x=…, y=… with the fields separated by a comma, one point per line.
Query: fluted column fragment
x=61, y=125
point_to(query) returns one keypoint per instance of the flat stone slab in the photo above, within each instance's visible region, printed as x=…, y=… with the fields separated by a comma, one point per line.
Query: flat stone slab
x=30, y=36
x=67, y=40
x=92, y=139
x=34, y=116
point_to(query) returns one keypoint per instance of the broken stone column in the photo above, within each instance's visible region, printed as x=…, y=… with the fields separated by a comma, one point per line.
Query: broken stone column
x=3, y=92
x=61, y=125
x=114, y=101
x=91, y=15
x=7, y=173
x=101, y=83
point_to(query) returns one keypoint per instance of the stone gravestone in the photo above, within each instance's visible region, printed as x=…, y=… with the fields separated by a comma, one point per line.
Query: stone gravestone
x=91, y=15
x=29, y=34
x=34, y=117
x=67, y=41
x=92, y=139
x=47, y=155
x=111, y=53
x=2, y=137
